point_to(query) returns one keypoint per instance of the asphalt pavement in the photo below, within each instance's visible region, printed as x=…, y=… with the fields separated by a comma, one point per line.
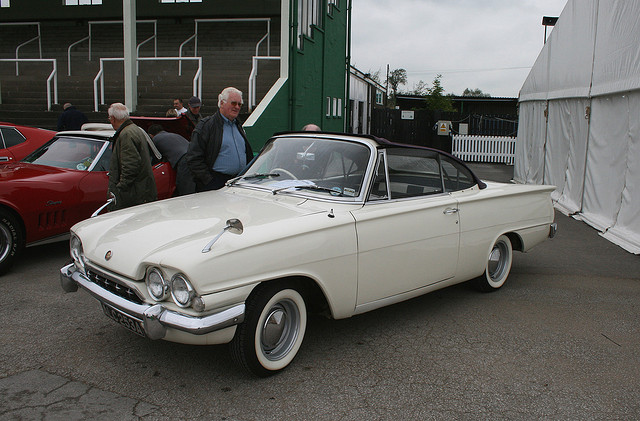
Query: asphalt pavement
x=561, y=340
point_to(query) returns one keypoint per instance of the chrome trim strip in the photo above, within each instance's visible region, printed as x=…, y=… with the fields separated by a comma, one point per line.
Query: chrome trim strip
x=156, y=318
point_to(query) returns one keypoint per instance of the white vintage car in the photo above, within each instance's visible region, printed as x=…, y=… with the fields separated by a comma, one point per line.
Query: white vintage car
x=318, y=222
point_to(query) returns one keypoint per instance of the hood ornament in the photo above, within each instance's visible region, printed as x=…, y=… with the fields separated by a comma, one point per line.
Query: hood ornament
x=233, y=225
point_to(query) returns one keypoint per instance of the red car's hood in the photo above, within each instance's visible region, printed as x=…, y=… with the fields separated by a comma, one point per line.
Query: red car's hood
x=23, y=171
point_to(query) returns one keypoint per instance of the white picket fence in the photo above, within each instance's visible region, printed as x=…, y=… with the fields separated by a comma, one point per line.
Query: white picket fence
x=471, y=148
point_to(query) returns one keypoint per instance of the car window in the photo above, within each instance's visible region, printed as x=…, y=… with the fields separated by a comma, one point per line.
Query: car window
x=379, y=189
x=103, y=161
x=11, y=136
x=67, y=152
x=456, y=176
x=413, y=172
x=310, y=165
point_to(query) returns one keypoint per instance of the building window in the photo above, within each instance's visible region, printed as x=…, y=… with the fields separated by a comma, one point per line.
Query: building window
x=180, y=1
x=82, y=2
x=308, y=15
x=328, y=113
x=5, y=3
x=379, y=98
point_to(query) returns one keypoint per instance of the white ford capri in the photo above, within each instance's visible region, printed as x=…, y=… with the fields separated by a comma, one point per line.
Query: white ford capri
x=337, y=224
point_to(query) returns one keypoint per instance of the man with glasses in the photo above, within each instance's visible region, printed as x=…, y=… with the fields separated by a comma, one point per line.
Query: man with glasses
x=219, y=149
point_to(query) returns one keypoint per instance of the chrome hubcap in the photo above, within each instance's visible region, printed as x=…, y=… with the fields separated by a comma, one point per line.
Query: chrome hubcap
x=5, y=242
x=280, y=330
x=496, y=261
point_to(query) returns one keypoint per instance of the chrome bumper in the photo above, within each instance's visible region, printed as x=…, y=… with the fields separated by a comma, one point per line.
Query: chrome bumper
x=155, y=318
x=553, y=229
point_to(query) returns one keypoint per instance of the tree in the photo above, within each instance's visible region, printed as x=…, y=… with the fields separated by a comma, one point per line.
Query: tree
x=475, y=93
x=420, y=88
x=397, y=77
x=375, y=76
x=436, y=101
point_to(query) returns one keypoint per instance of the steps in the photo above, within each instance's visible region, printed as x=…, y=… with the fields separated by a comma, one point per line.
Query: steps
x=226, y=49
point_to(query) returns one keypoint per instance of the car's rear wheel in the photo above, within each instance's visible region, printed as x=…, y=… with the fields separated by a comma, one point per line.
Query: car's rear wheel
x=498, y=265
x=273, y=329
x=11, y=240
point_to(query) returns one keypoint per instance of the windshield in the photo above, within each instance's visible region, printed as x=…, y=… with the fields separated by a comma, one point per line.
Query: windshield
x=320, y=166
x=68, y=152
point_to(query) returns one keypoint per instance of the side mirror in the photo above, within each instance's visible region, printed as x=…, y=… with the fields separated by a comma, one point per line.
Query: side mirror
x=234, y=226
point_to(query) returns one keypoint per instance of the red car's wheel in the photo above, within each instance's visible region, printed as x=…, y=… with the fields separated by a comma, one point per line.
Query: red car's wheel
x=11, y=240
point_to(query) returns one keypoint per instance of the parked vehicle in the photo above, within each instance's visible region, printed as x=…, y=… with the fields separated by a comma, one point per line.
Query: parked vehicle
x=339, y=224
x=16, y=142
x=61, y=183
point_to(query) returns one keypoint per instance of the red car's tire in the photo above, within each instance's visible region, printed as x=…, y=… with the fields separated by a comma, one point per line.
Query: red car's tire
x=11, y=240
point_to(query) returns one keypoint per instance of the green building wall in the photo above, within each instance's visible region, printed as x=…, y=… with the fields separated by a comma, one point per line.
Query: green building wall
x=318, y=73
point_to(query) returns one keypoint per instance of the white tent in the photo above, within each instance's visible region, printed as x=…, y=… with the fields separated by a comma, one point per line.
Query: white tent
x=579, y=125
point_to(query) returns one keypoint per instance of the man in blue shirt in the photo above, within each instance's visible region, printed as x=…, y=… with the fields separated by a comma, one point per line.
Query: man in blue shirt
x=219, y=149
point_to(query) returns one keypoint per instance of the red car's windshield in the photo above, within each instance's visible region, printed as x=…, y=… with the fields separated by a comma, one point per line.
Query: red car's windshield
x=67, y=152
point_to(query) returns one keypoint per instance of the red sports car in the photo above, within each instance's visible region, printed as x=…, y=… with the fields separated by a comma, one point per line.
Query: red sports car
x=61, y=183
x=16, y=142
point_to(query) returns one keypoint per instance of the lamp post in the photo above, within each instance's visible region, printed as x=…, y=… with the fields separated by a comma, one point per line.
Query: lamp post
x=548, y=21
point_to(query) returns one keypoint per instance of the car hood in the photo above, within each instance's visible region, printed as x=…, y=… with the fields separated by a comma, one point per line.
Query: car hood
x=173, y=232
x=24, y=170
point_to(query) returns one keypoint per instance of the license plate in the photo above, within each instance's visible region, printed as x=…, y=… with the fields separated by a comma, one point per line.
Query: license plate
x=124, y=320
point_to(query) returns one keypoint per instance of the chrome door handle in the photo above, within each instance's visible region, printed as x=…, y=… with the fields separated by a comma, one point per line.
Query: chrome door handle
x=450, y=211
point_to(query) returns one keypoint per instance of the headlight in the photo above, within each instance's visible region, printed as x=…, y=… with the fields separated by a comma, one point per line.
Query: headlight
x=157, y=286
x=181, y=290
x=77, y=253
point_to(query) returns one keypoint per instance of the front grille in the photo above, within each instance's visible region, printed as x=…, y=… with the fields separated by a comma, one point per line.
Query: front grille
x=114, y=287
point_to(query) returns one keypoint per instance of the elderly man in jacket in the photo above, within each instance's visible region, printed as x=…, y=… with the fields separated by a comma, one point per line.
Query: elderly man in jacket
x=130, y=175
x=219, y=149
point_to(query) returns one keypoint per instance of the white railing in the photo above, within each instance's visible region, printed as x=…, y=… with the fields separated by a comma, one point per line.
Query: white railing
x=254, y=76
x=37, y=37
x=53, y=76
x=473, y=148
x=114, y=22
x=99, y=99
x=194, y=37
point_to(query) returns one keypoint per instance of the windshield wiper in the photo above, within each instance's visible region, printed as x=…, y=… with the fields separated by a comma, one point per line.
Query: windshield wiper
x=252, y=176
x=333, y=192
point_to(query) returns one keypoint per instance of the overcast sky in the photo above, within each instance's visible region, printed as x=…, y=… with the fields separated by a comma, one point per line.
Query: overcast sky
x=477, y=44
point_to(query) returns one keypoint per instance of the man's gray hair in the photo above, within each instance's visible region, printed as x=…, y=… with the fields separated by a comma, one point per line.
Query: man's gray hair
x=119, y=111
x=224, y=95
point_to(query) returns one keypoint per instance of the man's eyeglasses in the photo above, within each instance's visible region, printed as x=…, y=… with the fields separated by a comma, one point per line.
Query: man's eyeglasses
x=236, y=103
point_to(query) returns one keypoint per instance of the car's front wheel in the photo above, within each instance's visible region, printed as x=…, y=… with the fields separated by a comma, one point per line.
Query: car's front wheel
x=498, y=265
x=273, y=329
x=11, y=240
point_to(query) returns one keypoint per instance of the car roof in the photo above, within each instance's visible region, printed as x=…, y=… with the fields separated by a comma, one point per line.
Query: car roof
x=379, y=143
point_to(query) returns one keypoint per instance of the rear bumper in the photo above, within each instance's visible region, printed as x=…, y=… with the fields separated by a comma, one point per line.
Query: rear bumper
x=154, y=318
x=553, y=229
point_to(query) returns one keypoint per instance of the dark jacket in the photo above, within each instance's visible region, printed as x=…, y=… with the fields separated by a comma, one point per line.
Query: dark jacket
x=130, y=174
x=206, y=141
x=71, y=119
x=194, y=119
